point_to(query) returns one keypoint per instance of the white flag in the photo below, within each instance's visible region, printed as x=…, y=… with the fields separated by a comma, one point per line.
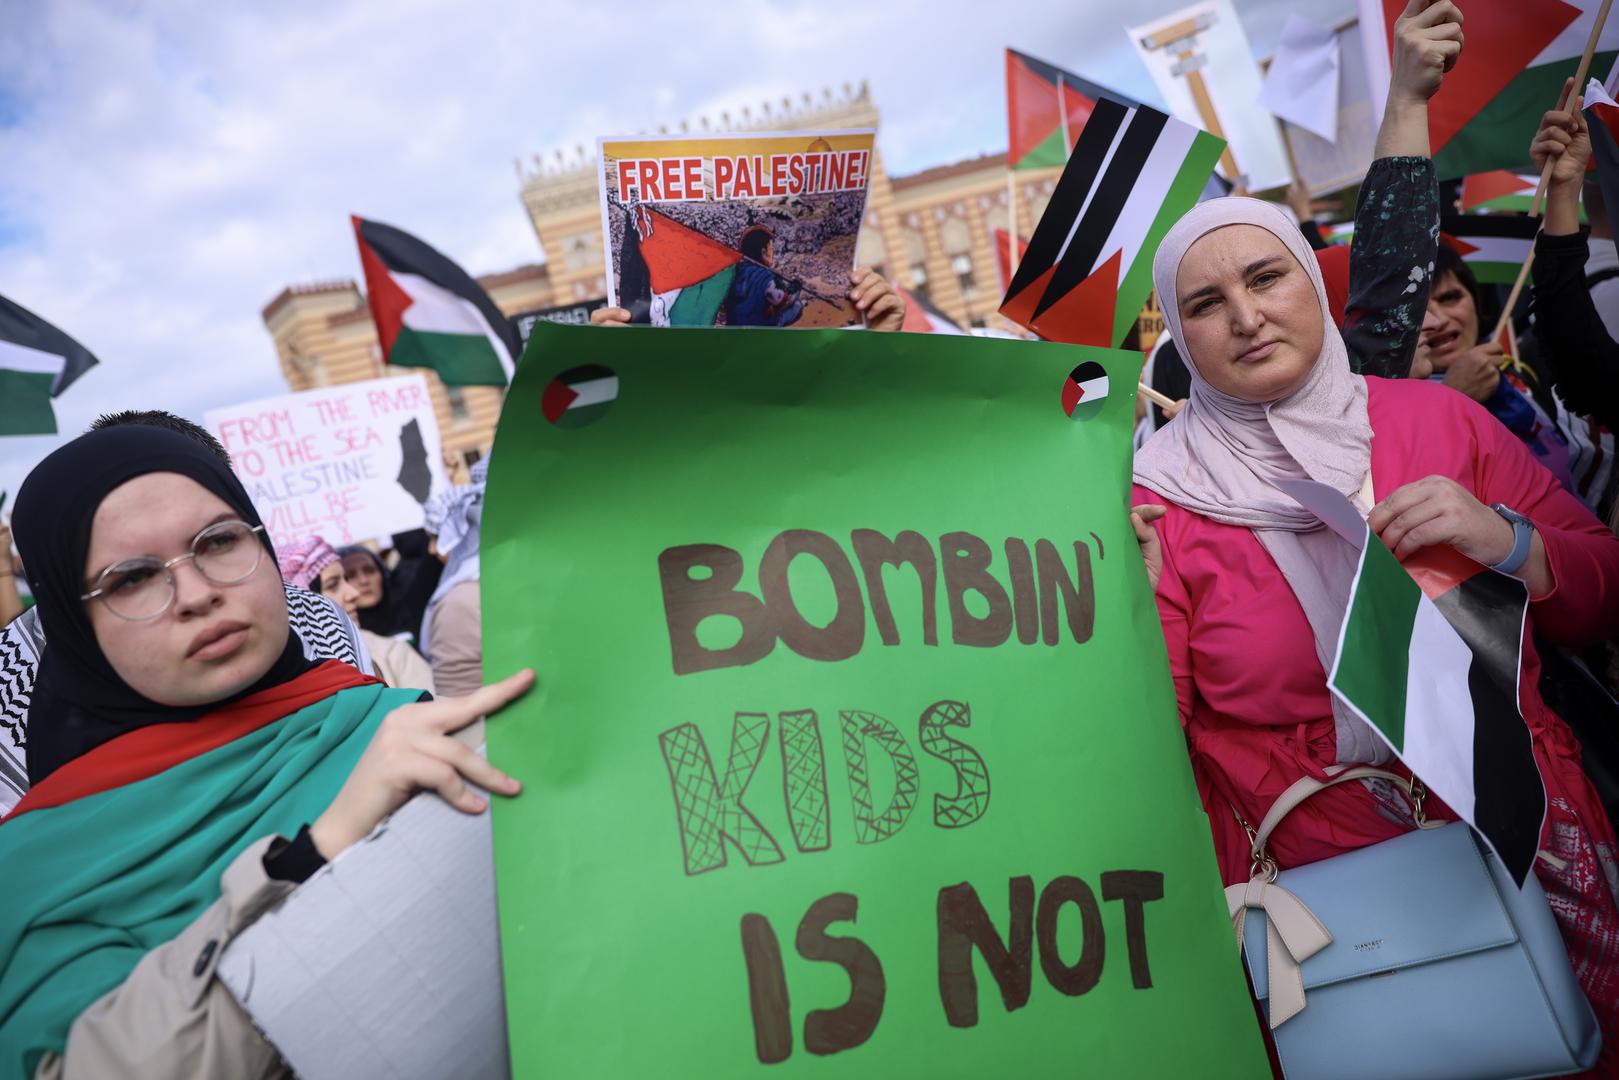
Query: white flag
x=1301, y=86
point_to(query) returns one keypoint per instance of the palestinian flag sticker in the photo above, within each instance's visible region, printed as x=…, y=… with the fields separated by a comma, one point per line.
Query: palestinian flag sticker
x=579, y=396
x=1084, y=391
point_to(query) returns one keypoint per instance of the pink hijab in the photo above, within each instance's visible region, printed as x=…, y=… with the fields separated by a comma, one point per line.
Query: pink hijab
x=1220, y=455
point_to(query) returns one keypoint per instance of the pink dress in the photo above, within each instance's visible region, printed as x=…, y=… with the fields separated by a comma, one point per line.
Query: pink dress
x=1253, y=697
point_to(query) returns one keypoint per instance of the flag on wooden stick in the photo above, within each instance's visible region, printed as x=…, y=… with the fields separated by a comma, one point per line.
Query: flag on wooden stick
x=1088, y=267
x=37, y=362
x=1518, y=54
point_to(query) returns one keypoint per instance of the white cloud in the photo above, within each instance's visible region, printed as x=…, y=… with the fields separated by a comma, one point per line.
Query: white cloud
x=166, y=167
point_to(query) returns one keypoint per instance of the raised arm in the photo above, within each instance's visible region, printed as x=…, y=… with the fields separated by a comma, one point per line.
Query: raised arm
x=1582, y=358
x=1397, y=218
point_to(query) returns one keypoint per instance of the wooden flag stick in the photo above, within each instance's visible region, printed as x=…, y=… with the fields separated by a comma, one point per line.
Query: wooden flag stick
x=1575, y=90
x=1163, y=401
x=1011, y=221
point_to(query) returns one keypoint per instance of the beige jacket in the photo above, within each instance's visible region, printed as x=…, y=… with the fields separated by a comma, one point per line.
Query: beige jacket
x=397, y=664
x=457, y=645
x=171, y=1017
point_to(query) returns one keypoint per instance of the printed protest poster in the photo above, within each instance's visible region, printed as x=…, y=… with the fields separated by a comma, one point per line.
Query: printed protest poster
x=854, y=748
x=345, y=463
x=572, y=314
x=735, y=230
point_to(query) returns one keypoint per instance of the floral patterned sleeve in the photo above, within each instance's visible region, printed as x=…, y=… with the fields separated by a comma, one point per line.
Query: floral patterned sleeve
x=1391, y=265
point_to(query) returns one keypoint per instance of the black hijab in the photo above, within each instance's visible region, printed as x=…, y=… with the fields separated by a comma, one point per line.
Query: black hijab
x=385, y=618
x=79, y=702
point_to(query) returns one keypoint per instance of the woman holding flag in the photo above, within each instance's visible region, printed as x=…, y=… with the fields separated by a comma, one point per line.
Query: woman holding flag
x=209, y=766
x=1252, y=590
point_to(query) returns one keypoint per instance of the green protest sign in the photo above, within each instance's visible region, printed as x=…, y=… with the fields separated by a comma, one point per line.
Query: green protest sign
x=854, y=745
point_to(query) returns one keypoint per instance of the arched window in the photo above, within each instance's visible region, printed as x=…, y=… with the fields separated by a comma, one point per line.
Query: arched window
x=958, y=243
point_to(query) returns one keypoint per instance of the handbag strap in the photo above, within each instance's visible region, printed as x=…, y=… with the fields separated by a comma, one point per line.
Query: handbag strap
x=1306, y=786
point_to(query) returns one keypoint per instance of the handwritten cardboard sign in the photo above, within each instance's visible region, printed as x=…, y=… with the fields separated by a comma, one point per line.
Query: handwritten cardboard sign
x=346, y=463
x=854, y=749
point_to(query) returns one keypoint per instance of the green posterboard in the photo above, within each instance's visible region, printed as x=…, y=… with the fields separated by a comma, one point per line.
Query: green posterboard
x=854, y=746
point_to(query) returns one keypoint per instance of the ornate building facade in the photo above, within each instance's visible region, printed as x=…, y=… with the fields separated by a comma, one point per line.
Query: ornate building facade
x=929, y=232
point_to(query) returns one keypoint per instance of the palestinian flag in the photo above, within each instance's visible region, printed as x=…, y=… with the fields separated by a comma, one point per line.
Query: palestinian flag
x=1341, y=234
x=1430, y=656
x=1046, y=108
x=1602, y=117
x=431, y=313
x=1084, y=391
x=1001, y=241
x=687, y=275
x=1498, y=190
x=1493, y=246
x=1088, y=266
x=37, y=362
x=922, y=317
x=579, y=396
x=1518, y=54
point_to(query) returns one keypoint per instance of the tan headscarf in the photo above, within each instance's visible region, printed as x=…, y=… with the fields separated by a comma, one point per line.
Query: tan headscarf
x=1221, y=454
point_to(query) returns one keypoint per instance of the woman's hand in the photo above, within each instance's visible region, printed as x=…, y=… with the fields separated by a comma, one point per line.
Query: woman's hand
x=1438, y=510
x=413, y=751
x=1427, y=40
x=610, y=316
x=873, y=297
x=1152, y=552
x=1477, y=372
x=1565, y=141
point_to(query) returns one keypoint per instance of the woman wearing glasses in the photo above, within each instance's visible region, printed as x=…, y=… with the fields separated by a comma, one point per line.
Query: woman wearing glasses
x=194, y=765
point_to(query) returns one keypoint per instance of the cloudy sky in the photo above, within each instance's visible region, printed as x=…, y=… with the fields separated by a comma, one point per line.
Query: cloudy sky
x=167, y=167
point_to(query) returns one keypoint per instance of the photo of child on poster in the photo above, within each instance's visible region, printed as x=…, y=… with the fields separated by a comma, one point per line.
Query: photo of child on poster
x=743, y=230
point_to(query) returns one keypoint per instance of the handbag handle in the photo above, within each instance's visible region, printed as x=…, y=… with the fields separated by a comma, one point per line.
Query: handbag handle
x=1306, y=786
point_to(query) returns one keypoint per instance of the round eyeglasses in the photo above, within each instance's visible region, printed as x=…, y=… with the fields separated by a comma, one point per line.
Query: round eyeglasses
x=138, y=589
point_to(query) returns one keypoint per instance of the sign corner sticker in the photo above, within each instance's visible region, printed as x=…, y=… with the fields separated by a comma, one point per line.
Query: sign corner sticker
x=1084, y=391
x=579, y=396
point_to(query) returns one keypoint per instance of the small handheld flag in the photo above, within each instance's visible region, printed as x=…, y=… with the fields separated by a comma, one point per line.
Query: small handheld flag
x=37, y=362
x=1602, y=120
x=1046, y=107
x=1088, y=267
x=431, y=313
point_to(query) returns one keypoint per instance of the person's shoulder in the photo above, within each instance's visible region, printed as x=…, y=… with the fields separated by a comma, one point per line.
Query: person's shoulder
x=463, y=597
x=1423, y=401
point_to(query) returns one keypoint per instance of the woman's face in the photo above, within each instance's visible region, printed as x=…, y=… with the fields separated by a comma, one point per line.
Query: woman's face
x=361, y=572
x=334, y=584
x=1451, y=327
x=1249, y=313
x=213, y=641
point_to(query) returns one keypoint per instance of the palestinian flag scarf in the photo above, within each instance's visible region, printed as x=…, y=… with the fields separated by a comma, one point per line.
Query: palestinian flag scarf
x=431, y=313
x=37, y=362
x=119, y=850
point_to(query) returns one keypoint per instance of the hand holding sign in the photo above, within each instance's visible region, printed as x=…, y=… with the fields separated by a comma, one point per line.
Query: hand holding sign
x=413, y=750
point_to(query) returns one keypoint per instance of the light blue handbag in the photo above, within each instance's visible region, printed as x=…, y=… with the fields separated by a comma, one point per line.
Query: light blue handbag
x=1415, y=958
